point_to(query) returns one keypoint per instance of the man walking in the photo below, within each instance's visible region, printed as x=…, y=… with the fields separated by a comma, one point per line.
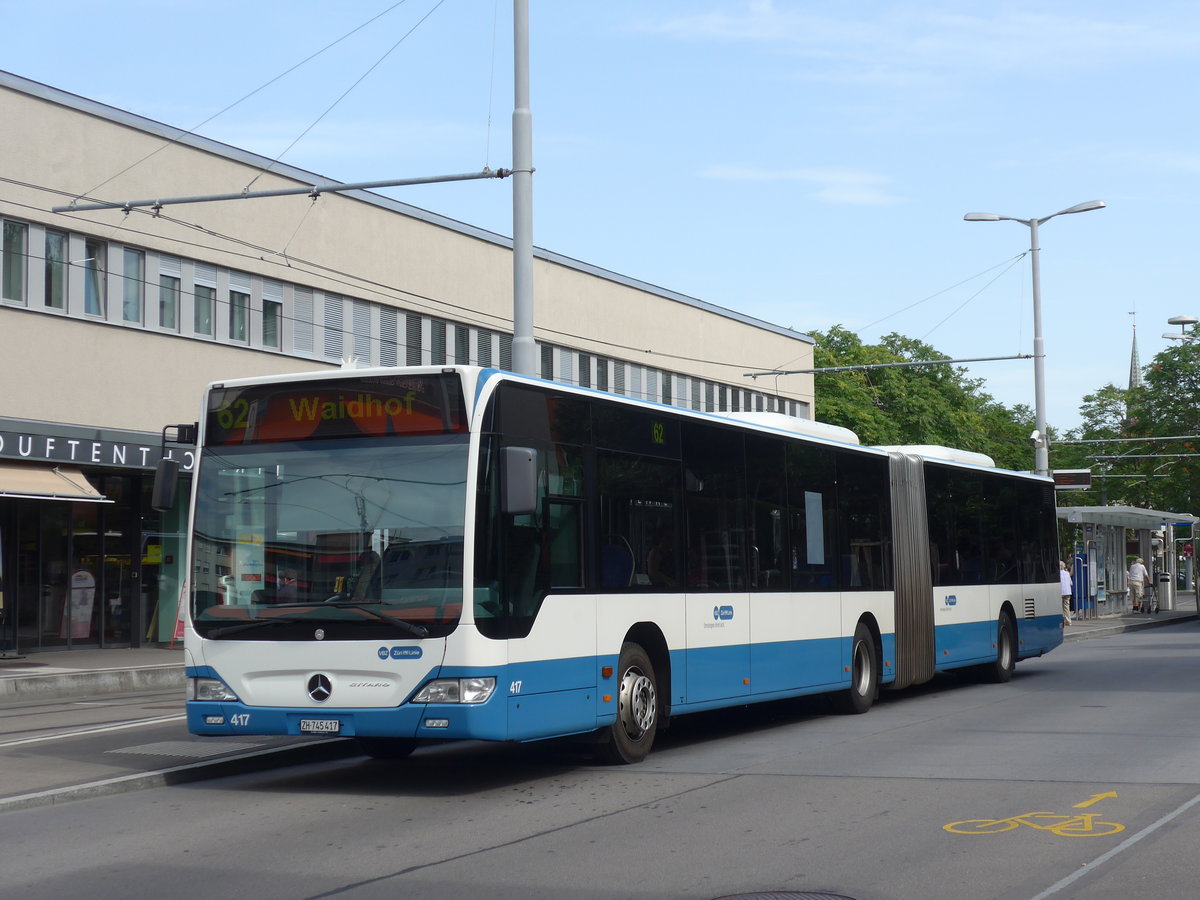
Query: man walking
x=1138, y=576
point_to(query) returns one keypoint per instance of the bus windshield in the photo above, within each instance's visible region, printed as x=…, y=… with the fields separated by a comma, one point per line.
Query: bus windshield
x=362, y=538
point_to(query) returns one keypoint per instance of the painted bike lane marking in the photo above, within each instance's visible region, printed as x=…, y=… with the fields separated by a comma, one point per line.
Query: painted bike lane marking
x=1077, y=825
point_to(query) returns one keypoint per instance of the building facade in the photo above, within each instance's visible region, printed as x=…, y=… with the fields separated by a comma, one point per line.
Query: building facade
x=114, y=321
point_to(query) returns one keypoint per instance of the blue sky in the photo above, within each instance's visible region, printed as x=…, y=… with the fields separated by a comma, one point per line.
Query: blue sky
x=808, y=163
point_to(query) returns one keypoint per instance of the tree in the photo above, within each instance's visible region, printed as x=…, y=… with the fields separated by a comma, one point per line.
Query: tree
x=1148, y=466
x=936, y=404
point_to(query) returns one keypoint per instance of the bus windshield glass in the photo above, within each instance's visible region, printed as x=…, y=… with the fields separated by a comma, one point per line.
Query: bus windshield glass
x=355, y=539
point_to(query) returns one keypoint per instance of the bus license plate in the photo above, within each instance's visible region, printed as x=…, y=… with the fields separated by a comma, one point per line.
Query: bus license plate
x=320, y=726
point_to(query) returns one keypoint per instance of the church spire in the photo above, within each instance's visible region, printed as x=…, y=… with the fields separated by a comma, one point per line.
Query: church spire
x=1135, y=364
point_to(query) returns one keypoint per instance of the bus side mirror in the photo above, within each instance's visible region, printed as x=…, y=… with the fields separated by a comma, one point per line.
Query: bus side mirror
x=518, y=481
x=166, y=483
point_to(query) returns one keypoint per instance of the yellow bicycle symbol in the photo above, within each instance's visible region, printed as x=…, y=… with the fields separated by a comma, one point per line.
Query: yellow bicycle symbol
x=1082, y=825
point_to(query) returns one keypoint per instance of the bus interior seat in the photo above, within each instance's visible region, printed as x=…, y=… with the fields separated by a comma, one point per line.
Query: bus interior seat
x=616, y=564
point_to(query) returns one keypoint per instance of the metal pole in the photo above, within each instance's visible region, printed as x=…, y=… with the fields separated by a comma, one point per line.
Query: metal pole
x=1042, y=449
x=313, y=191
x=524, y=350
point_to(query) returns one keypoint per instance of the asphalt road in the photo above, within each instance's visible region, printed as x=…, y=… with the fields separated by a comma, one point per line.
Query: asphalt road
x=1079, y=779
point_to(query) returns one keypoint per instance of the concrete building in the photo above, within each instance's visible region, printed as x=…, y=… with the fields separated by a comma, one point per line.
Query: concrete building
x=112, y=323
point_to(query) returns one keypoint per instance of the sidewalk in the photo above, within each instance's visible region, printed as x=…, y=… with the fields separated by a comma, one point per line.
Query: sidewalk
x=1103, y=626
x=63, y=674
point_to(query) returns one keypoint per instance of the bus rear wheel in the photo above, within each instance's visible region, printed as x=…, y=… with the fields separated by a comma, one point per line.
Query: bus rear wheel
x=630, y=737
x=1001, y=670
x=864, y=674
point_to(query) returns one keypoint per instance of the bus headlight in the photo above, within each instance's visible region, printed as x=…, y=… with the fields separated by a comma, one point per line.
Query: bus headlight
x=210, y=689
x=457, y=690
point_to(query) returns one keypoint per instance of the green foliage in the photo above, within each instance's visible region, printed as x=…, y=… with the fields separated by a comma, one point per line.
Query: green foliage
x=1149, y=465
x=935, y=404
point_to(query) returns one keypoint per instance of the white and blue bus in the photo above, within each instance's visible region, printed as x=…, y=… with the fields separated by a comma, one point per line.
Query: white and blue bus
x=430, y=554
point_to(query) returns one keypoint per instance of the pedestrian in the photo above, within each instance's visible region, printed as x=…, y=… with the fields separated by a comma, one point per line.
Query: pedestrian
x=1064, y=582
x=1138, y=576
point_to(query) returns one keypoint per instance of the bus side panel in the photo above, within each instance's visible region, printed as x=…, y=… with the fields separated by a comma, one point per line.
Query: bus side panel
x=615, y=615
x=877, y=605
x=718, y=646
x=1043, y=631
x=964, y=618
x=797, y=641
x=552, y=676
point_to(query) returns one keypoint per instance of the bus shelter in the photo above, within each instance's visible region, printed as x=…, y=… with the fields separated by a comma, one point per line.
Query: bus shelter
x=1106, y=536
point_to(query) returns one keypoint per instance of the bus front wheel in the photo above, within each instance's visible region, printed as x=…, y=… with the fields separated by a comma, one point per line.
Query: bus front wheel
x=386, y=748
x=630, y=737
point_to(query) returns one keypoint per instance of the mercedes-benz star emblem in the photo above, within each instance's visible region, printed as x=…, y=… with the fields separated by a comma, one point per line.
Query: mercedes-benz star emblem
x=319, y=688
x=319, y=634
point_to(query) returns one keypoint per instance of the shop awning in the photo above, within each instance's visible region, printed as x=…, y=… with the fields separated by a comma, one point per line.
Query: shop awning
x=47, y=483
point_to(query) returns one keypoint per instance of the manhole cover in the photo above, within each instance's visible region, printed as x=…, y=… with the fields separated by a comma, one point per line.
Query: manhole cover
x=786, y=895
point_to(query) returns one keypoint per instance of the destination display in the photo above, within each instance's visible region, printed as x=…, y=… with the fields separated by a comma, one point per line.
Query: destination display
x=345, y=407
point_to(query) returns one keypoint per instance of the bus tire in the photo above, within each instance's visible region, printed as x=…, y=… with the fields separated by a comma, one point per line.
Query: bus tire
x=630, y=737
x=864, y=674
x=1001, y=670
x=386, y=748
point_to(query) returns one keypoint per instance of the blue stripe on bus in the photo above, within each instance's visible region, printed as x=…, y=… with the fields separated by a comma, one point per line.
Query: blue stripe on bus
x=552, y=698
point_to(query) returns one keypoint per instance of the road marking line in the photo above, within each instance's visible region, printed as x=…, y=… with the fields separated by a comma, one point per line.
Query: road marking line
x=1095, y=799
x=100, y=729
x=1120, y=848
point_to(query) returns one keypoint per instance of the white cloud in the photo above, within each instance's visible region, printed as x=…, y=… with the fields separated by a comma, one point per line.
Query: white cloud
x=914, y=40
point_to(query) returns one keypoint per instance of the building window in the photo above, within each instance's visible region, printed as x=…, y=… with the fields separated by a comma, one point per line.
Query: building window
x=462, y=345
x=56, y=270
x=95, y=261
x=547, y=362
x=601, y=374
x=168, y=302
x=485, y=348
x=506, y=342
x=206, y=297
x=133, y=288
x=302, y=319
x=388, y=336
x=272, y=316
x=239, y=309
x=667, y=388
x=13, y=261
x=585, y=370
x=412, y=339
x=437, y=342
x=334, y=317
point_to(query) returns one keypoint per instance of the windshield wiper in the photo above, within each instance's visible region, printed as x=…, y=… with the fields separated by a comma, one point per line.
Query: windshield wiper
x=246, y=626
x=407, y=627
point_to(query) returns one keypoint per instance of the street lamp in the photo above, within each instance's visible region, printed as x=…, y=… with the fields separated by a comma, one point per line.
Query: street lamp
x=1183, y=322
x=1040, y=442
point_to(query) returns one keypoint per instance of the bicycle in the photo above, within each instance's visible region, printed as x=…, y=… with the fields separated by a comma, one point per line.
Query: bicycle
x=1081, y=825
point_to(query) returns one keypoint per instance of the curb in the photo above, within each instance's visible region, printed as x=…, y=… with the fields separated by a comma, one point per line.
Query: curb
x=255, y=761
x=1086, y=633
x=67, y=685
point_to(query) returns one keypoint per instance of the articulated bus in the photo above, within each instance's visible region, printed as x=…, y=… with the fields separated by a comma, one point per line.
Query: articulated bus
x=418, y=555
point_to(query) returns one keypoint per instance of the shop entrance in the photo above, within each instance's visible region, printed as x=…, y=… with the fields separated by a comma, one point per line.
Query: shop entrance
x=73, y=570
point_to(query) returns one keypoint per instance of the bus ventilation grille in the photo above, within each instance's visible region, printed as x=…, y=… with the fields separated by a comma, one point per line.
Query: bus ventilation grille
x=1030, y=608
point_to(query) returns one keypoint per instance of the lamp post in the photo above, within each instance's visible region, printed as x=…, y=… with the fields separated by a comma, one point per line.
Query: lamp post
x=1041, y=443
x=1183, y=322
